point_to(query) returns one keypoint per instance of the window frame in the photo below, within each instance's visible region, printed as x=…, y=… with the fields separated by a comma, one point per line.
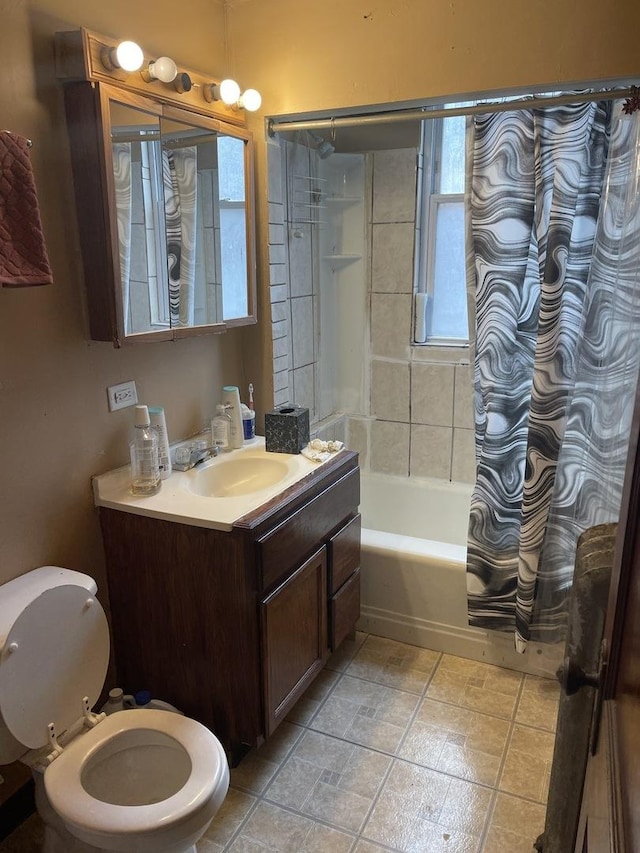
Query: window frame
x=427, y=203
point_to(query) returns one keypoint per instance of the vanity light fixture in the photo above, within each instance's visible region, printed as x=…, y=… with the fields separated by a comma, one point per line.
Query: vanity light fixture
x=127, y=55
x=163, y=69
x=250, y=100
x=182, y=83
x=226, y=91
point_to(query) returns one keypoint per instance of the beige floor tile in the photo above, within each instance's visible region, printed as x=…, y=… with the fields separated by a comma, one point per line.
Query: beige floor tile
x=330, y=780
x=369, y=714
x=520, y=818
x=456, y=740
x=247, y=845
x=394, y=664
x=205, y=845
x=466, y=808
x=469, y=764
x=233, y=811
x=323, y=839
x=503, y=841
x=431, y=837
x=479, y=686
x=538, y=705
x=275, y=829
x=527, y=766
x=294, y=783
x=367, y=847
x=492, y=677
x=416, y=803
x=258, y=767
x=343, y=809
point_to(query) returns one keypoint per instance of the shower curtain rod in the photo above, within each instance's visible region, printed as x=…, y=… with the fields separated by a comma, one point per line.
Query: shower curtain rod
x=395, y=117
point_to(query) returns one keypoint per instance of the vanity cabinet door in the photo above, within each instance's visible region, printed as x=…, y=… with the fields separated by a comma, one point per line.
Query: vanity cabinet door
x=294, y=637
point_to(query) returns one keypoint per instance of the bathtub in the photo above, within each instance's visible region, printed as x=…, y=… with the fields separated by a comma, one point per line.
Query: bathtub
x=413, y=572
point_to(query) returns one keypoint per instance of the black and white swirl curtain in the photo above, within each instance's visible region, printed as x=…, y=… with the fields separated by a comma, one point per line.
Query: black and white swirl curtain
x=534, y=185
x=179, y=178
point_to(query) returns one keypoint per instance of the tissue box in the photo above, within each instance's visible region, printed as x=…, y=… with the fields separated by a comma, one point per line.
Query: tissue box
x=286, y=430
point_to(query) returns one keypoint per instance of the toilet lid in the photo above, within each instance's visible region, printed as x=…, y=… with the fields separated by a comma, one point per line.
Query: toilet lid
x=56, y=653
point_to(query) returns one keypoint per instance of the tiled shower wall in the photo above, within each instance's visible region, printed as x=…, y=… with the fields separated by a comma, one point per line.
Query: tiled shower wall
x=291, y=279
x=419, y=418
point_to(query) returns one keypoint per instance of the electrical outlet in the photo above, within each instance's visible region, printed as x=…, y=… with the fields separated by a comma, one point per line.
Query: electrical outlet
x=122, y=395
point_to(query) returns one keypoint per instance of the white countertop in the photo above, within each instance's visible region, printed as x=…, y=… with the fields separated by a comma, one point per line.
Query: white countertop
x=176, y=500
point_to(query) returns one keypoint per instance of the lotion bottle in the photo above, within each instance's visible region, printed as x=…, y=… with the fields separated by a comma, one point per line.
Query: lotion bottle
x=231, y=398
x=159, y=424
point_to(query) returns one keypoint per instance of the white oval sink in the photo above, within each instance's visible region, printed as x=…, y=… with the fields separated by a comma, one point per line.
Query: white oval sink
x=235, y=477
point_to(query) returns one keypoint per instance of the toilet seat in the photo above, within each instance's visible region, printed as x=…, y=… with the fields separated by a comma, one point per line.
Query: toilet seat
x=92, y=819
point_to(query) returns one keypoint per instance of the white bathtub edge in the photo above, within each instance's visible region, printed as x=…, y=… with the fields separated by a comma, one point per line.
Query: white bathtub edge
x=482, y=646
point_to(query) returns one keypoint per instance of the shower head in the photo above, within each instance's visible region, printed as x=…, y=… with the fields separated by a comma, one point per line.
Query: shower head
x=324, y=147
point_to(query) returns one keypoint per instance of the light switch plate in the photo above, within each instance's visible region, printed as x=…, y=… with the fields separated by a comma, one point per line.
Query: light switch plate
x=122, y=395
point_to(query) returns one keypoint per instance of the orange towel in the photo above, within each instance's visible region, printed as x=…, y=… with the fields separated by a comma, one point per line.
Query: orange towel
x=23, y=253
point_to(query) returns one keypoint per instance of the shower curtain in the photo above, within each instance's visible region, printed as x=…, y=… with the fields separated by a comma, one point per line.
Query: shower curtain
x=179, y=173
x=122, y=184
x=591, y=465
x=534, y=185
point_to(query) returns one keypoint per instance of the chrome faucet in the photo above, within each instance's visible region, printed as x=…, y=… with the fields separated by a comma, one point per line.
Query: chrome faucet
x=189, y=455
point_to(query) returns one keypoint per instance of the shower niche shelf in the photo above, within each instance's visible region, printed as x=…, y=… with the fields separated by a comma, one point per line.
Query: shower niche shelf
x=342, y=200
x=342, y=260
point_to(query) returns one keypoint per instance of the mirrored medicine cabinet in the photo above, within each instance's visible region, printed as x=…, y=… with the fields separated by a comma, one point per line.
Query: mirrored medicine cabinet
x=164, y=197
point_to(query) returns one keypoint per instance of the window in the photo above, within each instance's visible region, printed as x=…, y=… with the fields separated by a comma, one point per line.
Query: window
x=440, y=239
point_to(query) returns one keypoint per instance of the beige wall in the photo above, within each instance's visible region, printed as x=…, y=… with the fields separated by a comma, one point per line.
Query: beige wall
x=55, y=428
x=333, y=54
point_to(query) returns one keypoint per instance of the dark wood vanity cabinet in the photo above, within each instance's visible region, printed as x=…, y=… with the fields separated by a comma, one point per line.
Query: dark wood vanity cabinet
x=232, y=627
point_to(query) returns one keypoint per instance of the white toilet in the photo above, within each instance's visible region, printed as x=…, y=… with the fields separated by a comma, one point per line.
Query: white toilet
x=147, y=781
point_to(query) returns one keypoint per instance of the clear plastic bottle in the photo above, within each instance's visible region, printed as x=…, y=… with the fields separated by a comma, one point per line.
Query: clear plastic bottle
x=221, y=428
x=159, y=424
x=115, y=702
x=231, y=397
x=145, y=469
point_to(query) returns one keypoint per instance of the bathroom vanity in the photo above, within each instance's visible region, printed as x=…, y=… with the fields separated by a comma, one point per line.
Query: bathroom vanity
x=232, y=625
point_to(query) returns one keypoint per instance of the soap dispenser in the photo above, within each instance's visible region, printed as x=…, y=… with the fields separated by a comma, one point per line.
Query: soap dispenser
x=231, y=398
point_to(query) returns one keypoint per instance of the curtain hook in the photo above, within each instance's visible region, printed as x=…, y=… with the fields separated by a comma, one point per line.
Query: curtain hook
x=333, y=130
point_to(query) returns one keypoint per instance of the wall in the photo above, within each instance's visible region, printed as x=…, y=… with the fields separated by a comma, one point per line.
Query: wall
x=333, y=56
x=55, y=428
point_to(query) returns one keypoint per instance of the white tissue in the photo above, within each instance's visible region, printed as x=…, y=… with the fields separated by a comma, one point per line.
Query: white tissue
x=319, y=451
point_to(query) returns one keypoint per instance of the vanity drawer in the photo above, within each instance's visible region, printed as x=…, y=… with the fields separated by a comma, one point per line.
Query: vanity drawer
x=290, y=543
x=344, y=553
x=344, y=610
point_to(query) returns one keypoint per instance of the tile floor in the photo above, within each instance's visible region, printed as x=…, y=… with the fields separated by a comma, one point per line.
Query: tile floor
x=394, y=748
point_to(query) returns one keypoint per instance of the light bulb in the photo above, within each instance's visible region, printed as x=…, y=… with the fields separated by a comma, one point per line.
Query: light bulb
x=251, y=100
x=163, y=69
x=128, y=56
x=229, y=91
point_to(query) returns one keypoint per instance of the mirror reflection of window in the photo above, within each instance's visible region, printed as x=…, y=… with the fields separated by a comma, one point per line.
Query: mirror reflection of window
x=233, y=232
